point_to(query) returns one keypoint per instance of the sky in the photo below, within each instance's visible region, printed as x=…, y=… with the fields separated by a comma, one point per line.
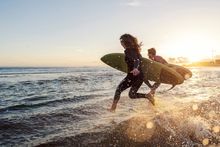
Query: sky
x=80, y=32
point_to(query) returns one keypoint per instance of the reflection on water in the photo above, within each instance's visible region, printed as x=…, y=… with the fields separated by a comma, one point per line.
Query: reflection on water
x=67, y=106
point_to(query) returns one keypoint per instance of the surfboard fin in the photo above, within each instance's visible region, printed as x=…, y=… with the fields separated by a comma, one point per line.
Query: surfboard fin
x=171, y=87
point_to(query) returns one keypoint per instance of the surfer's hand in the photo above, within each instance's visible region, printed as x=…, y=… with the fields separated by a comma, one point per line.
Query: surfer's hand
x=135, y=71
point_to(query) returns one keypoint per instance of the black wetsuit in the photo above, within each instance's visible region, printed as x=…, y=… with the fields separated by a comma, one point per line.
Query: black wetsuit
x=133, y=60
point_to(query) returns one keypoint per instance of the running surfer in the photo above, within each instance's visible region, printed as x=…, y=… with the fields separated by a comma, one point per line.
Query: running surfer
x=152, y=55
x=135, y=77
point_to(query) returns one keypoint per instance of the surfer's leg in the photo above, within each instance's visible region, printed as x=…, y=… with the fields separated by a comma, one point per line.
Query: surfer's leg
x=154, y=87
x=134, y=88
x=125, y=83
x=133, y=92
x=148, y=84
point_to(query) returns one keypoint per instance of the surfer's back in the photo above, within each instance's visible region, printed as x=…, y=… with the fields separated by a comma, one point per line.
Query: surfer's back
x=160, y=59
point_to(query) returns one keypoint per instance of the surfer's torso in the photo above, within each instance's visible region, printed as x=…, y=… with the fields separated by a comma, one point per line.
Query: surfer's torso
x=133, y=59
x=160, y=59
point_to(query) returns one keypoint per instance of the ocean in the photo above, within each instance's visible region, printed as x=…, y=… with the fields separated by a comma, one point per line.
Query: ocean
x=68, y=107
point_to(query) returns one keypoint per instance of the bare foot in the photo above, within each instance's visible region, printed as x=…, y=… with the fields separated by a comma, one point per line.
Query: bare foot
x=150, y=97
x=113, y=107
x=152, y=92
x=111, y=110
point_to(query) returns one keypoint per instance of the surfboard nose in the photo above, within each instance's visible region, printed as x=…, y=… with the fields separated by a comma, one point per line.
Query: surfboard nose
x=103, y=59
x=106, y=59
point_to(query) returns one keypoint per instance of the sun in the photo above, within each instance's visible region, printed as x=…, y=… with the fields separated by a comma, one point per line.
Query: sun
x=195, y=47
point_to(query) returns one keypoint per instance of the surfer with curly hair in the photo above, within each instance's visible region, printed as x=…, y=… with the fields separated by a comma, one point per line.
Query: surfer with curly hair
x=152, y=55
x=135, y=77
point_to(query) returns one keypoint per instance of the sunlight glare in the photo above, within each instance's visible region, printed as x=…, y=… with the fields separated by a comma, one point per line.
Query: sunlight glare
x=194, y=46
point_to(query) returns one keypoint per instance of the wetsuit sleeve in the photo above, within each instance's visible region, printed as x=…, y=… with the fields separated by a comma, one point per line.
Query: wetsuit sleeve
x=137, y=63
x=135, y=57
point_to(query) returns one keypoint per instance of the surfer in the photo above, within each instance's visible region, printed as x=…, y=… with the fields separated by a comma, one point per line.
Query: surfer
x=152, y=55
x=135, y=77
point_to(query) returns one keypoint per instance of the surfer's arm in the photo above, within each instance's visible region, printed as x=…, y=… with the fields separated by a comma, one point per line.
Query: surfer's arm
x=136, y=59
x=137, y=63
x=133, y=56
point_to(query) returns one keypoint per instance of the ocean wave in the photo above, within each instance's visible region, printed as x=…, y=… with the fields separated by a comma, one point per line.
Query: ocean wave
x=21, y=130
x=27, y=105
x=15, y=132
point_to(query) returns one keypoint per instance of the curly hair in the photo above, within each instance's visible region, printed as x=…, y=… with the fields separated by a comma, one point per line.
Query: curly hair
x=131, y=42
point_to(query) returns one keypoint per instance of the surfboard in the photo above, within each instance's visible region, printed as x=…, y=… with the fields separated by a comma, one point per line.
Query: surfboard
x=153, y=71
x=184, y=72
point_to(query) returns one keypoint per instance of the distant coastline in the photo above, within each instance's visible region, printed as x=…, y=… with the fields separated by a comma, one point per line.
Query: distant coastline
x=183, y=61
x=203, y=64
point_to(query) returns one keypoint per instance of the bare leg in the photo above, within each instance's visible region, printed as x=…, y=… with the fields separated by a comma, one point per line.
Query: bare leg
x=154, y=87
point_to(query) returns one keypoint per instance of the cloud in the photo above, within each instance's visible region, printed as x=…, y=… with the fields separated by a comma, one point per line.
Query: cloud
x=133, y=3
